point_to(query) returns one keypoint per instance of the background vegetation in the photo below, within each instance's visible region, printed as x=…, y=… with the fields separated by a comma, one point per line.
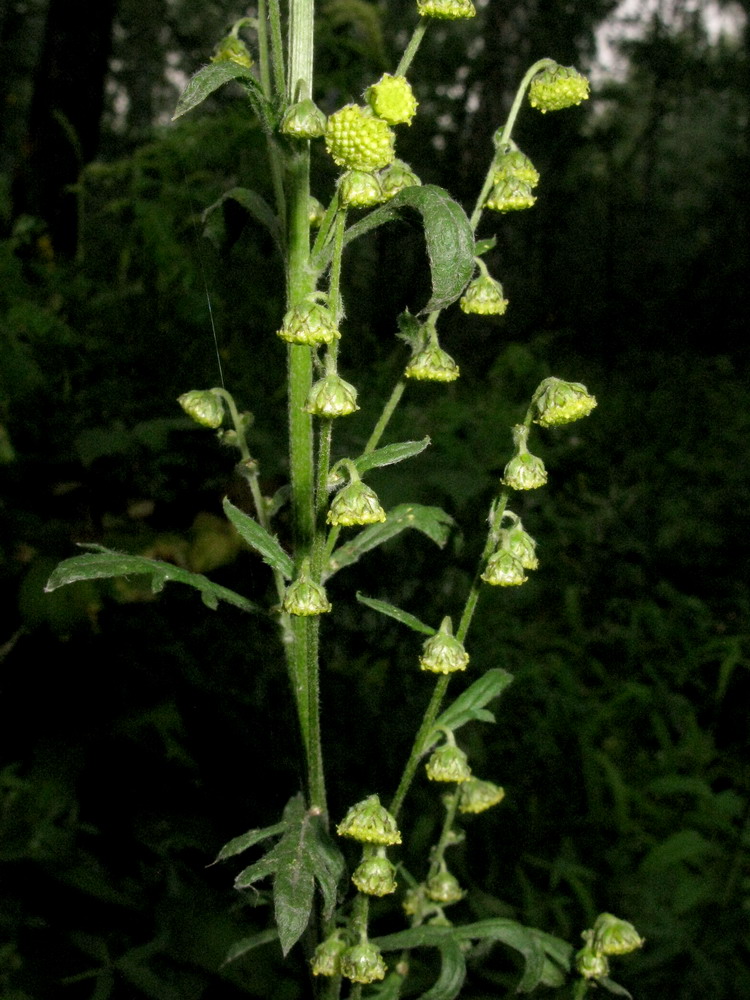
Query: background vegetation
x=137, y=734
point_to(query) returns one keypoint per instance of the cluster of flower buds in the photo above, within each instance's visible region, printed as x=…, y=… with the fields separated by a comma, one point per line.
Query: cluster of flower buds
x=557, y=402
x=303, y=120
x=448, y=763
x=443, y=653
x=513, y=180
x=476, y=796
x=484, y=297
x=331, y=397
x=609, y=936
x=370, y=823
x=515, y=552
x=392, y=99
x=524, y=471
x=305, y=597
x=204, y=406
x=233, y=49
x=310, y=323
x=558, y=87
x=360, y=963
x=446, y=10
x=355, y=504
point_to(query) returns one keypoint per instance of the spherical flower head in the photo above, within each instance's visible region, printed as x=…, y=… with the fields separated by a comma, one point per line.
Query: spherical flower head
x=558, y=87
x=232, y=49
x=612, y=936
x=525, y=472
x=447, y=10
x=358, y=140
x=310, y=323
x=484, y=297
x=204, y=406
x=392, y=99
x=331, y=397
x=375, y=877
x=432, y=364
x=326, y=960
x=510, y=195
x=561, y=402
x=363, y=963
x=304, y=597
x=443, y=888
x=522, y=546
x=591, y=965
x=448, y=763
x=304, y=120
x=359, y=189
x=370, y=823
x=443, y=653
x=503, y=569
x=355, y=504
x=397, y=176
x=476, y=796
x=515, y=166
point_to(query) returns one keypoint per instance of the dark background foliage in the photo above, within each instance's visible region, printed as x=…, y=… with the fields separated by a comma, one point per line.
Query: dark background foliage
x=138, y=734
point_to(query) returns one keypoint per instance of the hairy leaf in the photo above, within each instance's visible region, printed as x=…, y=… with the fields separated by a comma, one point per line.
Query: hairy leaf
x=239, y=844
x=388, y=455
x=259, y=539
x=470, y=704
x=393, y=612
x=208, y=79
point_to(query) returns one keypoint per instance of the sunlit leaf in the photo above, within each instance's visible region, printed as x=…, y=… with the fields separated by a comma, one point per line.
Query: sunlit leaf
x=208, y=79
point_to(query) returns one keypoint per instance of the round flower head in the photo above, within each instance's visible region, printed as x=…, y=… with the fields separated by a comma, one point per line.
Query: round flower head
x=475, y=796
x=561, y=402
x=363, y=963
x=232, y=49
x=304, y=120
x=503, y=569
x=448, y=763
x=204, y=406
x=443, y=888
x=432, y=364
x=484, y=297
x=515, y=166
x=359, y=189
x=442, y=653
x=558, y=87
x=309, y=323
x=522, y=546
x=370, y=823
x=397, y=176
x=331, y=397
x=357, y=140
x=326, y=960
x=355, y=504
x=304, y=597
x=612, y=936
x=392, y=99
x=448, y=10
x=525, y=472
x=375, y=877
x=510, y=195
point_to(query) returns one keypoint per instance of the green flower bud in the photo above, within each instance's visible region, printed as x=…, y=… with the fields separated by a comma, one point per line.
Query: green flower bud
x=448, y=763
x=232, y=49
x=591, y=965
x=392, y=99
x=326, y=960
x=370, y=823
x=355, y=504
x=484, y=297
x=475, y=796
x=359, y=189
x=510, y=196
x=443, y=888
x=357, y=140
x=315, y=212
x=375, y=877
x=522, y=546
x=397, y=176
x=558, y=87
x=413, y=903
x=612, y=936
x=559, y=402
x=304, y=120
x=309, y=323
x=204, y=406
x=503, y=569
x=304, y=597
x=524, y=471
x=515, y=166
x=442, y=653
x=448, y=10
x=363, y=963
x=432, y=364
x=331, y=397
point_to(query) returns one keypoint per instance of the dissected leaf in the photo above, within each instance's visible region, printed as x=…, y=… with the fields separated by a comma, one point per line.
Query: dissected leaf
x=259, y=539
x=470, y=704
x=239, y=844
x=388, y=455
x=393, y=612
x=208, y=79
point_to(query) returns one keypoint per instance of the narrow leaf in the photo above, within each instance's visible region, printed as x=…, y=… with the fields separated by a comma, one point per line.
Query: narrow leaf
x=393, y=612
x=328, y=866
x=239, y=844
x=614, y=987
x=259, y=539
x=208, y=79
x=258, y=207
x=484, y=246
x=389, y=989
x=470, y=704
x=268, y=865
x=452, y=972
x=244, y=945
x=389, y=455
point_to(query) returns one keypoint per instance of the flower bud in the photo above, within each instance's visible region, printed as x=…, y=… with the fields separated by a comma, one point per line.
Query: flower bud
x=392, y=99
x=503, y=569
x=304, y=597
x=375, y=877
x=510, y=195
x=357, y=140
x=326, y=960
x=475, y=796
x=443, y=653
x=521, y=545
x=359, y=189
x=413, y=903
x=304, y=120
x=363, y=963
x=331, y=397
x=315, y=212
x=515, y=166
x=448, y=763
x=443, y=888
x=309, y=323
x=559, y=402
x=558, y=87
x=484, y=297
x=370, y=823
x=432, y=364
x=591, y=965
x=204, y=406
x=232, y=49
x=612, y=936
x=524, y=471
x=448, y=10
x=355, y=504
x=397, y=176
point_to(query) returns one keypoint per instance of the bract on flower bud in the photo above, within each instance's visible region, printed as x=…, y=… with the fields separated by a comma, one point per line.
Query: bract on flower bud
x=475, y=796
x=448, y=10
x=484, y=297
x=304, y=597
x=432, y=364
x=612, y=936
x=397, y=176
x=232, y=49
x=558, y=87
x=591, y=965
x=326, y=960
x=503, y=569
x=442, y=653
x=561, y=402
x=392, y=99
x=357, y=140
x=309, y=323
x=331, y=397
x=448, y=763
x=443, y=888
x=363, y=963
x=360, y=189
x=355, y=504
x=515, y=166
x=370, y=823
x=303, y=120
x=204, y=406
x=522, y=546
x=375, y=877
x=510, y=195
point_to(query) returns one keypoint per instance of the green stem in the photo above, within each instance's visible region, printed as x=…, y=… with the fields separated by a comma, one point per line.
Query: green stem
x=450, y=817
x=264, y=62
x=385, y=416
x=277, y=48
x=411, y=49
x=428, y=724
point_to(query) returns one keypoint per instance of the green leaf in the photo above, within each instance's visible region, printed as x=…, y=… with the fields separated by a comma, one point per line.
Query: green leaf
x=432, y=521
x=259, y=539
x=614, y=987
x=448, y=235
x=267, y=865
x=389, y=455
x=470, y=705
x=208, y=79
x=239, y=844
x=452, y=972
x=329, y=866
x=103, y=563
x=244, y=945
x=393, y=612
x=258, y=207
x=389, y=989
x=484, y=246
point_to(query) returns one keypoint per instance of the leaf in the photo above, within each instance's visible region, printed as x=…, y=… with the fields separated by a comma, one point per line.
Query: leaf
x=393, y=612
x=389, y=989
x=257, y=206
x=432, y=521
x=208, y=79
x=244, y=945
x=265, y=866
x=259, y=539
x=452, y=973
x=448, y=235
x=239, y=844
x=470, y=705
x=614, y=987
x=389, y=455
x=484, y=246
x=103, y=563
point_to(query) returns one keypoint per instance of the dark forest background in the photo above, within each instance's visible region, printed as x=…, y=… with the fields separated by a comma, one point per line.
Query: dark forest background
x=138, y=734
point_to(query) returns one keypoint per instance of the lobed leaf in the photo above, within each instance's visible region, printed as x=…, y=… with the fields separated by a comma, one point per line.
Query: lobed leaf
x=245, y=840
x=393, y=612
x=259, y=539
x=470, y=705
